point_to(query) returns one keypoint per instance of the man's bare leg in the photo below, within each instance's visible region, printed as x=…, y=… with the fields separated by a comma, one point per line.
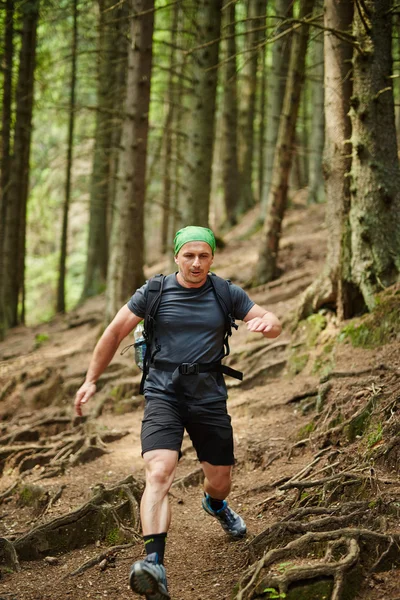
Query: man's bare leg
x=155, y=511
x=147, y=576
x=217, y=485
x=218, y=480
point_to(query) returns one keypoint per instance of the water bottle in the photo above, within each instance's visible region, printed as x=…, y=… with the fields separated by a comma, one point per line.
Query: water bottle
x=139, y=345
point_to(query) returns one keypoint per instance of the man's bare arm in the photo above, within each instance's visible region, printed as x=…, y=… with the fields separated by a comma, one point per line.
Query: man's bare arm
x=262, y=321
x=122, y=324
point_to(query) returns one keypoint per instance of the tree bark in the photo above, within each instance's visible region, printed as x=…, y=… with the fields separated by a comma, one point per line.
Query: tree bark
x=329, y=289
x=97, y=249
x=230, y=117
x=375, y=175
x=266, y=268
x=248, y=89
x=121, y=23
x=276, y=92
x=5, y=146
x=60, y=307
x=125, y=272
x=14, y=243
x=316, y=180
x=172, y=101
x=262, y=124
x=201, y=140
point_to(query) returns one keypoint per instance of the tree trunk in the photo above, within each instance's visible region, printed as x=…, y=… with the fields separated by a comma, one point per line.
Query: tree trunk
x=276, y=92
x=248, y=89
x=230, y=116
x=316, y=181
x=125, y=271
x=97, y=249
x=60, y=307
x=5, y=147
x=14, y=243
x=328, y=289
x=375, y=175
x=266, y=268
x=201, y=142
x=262, y=127
x=121, y=24
x=172, y=101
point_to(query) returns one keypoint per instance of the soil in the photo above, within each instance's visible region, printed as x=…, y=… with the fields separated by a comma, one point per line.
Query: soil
x=269, y=419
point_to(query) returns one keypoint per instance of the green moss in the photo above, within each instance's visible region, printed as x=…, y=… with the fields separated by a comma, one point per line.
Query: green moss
x=305, y=431
x=336, y=420
x=305, y=337
x=282, y=567
x=377, y=328
x=359, y=424
x=296, y=363
x=311, y=590
x=115, y=537
x=315, y=324
x=30, y=495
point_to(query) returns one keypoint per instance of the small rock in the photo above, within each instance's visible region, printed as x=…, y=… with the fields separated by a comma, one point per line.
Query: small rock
x=51, y=560
x=103, y=564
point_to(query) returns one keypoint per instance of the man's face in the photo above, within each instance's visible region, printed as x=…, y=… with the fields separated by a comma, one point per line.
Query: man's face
x=194, y=260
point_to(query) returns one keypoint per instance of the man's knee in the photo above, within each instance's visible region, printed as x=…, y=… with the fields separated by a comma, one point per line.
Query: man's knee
x=160, y=468
x=219, y=477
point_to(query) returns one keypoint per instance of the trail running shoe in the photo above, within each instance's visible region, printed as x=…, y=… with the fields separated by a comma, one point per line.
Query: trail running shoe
x=148, y=578
x=230, y=521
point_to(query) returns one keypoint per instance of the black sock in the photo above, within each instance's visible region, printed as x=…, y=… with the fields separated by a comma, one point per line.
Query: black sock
x=215, y=504
x=155, y=543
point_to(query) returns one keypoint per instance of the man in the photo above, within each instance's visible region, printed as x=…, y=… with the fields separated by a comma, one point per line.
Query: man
x=190, y=327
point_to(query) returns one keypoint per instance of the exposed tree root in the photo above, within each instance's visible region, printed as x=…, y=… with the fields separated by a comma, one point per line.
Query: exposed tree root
x=282, y=532
x=53, y=443
x=111, y=513
x=337, y=559
x=108, y=555
x=194, y=478
x=8, y=556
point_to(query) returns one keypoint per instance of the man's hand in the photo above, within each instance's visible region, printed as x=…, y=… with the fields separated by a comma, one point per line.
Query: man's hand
x=263, y=321
x=85, y=392
x=260, y=324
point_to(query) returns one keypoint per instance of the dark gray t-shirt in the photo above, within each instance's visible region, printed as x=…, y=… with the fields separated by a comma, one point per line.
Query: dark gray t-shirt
x=190, y=326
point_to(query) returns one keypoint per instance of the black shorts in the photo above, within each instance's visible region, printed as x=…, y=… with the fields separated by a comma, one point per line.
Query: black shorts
x=208, y=425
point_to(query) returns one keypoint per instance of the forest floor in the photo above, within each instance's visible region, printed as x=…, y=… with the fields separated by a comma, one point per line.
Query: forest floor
x=279, y=430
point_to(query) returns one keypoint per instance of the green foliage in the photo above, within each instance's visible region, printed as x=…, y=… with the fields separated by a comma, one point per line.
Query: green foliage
x=273, y=593
x=375, y=436
x=40, y=338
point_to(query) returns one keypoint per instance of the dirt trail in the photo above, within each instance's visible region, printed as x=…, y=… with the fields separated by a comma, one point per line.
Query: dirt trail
x=202, y=564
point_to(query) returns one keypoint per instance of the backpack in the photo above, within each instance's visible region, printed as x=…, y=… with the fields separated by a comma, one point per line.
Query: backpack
x=223, y=296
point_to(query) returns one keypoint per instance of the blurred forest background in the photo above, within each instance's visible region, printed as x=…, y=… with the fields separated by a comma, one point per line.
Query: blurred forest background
x=124, y=120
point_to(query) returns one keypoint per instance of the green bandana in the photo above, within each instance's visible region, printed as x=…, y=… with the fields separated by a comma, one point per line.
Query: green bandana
x=193, y=234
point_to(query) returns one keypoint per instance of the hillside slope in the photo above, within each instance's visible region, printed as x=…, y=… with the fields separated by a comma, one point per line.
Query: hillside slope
x=312, y=407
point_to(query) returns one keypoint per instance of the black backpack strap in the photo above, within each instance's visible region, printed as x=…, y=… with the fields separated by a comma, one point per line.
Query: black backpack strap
x=223, y=295
x=154, y=291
